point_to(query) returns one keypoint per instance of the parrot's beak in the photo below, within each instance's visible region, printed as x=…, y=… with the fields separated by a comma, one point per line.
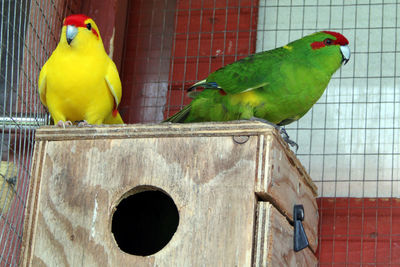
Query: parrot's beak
x=71, y=32
x=345, y=50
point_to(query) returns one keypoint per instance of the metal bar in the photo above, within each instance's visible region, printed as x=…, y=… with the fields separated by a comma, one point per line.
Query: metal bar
x=17, y=123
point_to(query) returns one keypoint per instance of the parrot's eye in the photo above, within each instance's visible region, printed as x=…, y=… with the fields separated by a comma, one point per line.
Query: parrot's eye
x=89, y=26
x=328, y=41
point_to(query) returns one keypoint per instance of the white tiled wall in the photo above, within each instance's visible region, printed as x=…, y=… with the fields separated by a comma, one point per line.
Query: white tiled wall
x=350, y=140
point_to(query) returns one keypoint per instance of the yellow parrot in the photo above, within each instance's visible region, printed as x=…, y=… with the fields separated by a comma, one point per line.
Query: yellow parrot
x=79, y=82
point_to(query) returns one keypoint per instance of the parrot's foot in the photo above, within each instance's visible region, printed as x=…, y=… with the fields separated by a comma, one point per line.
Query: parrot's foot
x=285, y=137
x=280, y=129
x=82, y=123
x=62, y=124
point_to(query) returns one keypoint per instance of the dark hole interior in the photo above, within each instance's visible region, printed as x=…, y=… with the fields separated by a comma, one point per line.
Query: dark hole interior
x=145, y=222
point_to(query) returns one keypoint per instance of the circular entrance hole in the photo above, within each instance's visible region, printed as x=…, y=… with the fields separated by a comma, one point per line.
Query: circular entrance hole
x=145, y=222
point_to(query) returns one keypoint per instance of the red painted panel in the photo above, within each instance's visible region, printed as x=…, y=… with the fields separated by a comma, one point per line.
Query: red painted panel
x=110, y=16
x=208, y=35
x=146, y=59
x=356, y=231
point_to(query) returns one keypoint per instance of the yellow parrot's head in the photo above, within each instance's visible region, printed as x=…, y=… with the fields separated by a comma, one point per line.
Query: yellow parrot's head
x=80, y=29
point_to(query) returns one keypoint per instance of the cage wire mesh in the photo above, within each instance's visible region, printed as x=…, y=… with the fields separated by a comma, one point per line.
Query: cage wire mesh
x=147, y=59
x=349, y=141
x=207, y=36
x=29, y=31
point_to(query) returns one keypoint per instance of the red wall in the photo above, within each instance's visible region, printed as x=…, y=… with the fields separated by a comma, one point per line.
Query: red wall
x=359, y=231
x=146, y=61
x=172, y=44
x=208, y=35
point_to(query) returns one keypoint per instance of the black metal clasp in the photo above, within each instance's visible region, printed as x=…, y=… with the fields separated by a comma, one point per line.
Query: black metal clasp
x=300, y=237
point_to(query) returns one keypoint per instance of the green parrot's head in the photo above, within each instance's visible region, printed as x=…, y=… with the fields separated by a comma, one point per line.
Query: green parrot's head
x=326, y=49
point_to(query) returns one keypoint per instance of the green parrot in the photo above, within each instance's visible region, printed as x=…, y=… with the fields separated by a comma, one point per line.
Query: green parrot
x=278, y=86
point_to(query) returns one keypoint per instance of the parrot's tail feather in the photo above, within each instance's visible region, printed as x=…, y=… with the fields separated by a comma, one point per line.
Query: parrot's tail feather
x=179, y=116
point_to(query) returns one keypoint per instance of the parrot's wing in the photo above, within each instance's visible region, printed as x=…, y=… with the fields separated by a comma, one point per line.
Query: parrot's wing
x=42, y=83
x=247, y=74
x=114, y=83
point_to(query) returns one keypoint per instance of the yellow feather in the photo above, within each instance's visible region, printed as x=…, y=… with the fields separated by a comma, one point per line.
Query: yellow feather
x=114, y=120
x=42, y=85
x=249, y=98
x=287, y=47
x=79, y=81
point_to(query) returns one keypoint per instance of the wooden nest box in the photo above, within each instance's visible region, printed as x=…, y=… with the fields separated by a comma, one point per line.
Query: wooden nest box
x=203, y=194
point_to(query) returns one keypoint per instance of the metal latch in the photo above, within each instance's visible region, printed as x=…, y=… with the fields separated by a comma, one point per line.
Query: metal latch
x=300, y=237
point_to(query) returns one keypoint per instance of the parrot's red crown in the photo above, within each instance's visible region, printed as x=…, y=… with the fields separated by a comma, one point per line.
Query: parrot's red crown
x=77, y=20
x=340, y=39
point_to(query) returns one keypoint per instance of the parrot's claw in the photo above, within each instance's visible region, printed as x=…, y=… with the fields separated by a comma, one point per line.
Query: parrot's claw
x=285, y=137
x=83, y=123
x=62, y=124
x=280, y=129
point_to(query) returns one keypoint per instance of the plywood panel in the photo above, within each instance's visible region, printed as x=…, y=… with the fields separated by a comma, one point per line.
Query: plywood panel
x=274, y=241
x=283, y=181
x=214, y=172
x=210, y=179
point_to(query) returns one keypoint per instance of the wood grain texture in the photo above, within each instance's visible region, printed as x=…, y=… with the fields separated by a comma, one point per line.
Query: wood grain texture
x=53, y=133
x=283, y=181
x=32, y=209
x=214, y=195
x=212, y=171
x=274, y=241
